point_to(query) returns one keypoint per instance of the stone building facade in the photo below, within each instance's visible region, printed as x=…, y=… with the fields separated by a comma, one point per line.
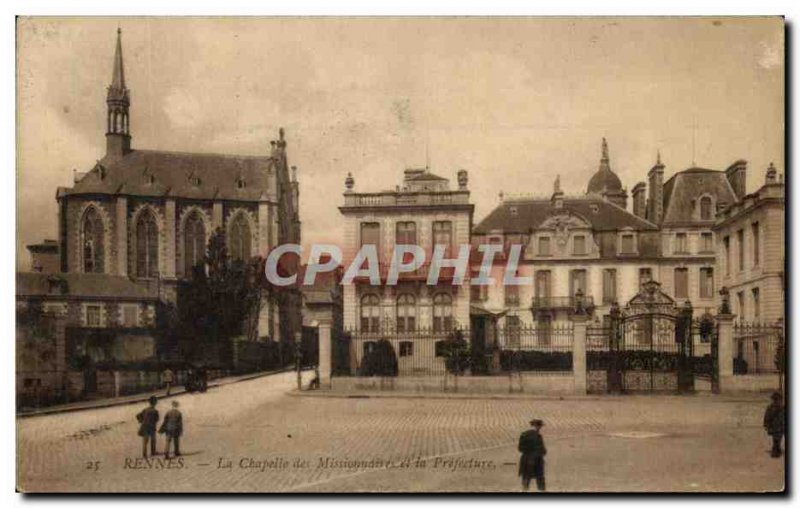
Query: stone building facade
x=423, y=210
x=594, y=244
x=751, y=256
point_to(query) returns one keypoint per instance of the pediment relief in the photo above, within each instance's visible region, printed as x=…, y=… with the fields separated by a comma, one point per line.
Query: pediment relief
x=561, y=224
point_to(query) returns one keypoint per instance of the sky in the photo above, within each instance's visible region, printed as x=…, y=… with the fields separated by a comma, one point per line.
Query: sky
x=514, y=101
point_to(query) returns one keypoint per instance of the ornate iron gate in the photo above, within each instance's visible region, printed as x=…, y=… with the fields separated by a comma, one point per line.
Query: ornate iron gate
x=651, y=346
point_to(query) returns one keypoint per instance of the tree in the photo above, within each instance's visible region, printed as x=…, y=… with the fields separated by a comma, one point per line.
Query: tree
x=217, y=303
x=379, y=361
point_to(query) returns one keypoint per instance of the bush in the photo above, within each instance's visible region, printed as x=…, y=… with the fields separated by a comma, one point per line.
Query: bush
x=380, y=361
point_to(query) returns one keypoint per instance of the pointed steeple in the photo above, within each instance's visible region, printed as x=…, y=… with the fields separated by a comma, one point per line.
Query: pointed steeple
x=118, y=136
x=118, y=78
x=604, y=156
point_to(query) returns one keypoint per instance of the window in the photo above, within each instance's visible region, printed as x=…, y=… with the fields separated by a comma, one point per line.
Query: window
x=146, y=245
x=681, y=283
x=92, y=231
x=513, y=211
x=705, y=208
x=406, y=313
x=579, y=245
x=544, y=246
x=609, y=285
x=442, y=312
x=706, y=242
x=443, y=234
x=544, y=329
x=240, y=238
x=726, y=243
x=130, y=315
x=371, y=235
x=93, y=315
x=756, y=243
x=406, y=348
x=740, y=241
x=645, y=275
x=706, y=283
x=406, y=233
x=370, y=314
x=512, y=331
x=194, y=242
x=577, y=280
x=479, y=293
x=627, y=244
x=756, y=304
x=740, y=301
x=241, y=183
x=680, y=243
x=543, y=284
x=511, y=295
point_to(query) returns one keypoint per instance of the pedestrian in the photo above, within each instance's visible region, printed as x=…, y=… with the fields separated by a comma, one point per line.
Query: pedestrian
x=774, y=423
x=172, y=427
x=167, y=378
x=531, y=463
x=148, y=419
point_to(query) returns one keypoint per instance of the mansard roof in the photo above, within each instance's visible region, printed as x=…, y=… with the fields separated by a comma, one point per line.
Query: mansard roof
x=83, y=285
x=529, y=214
x=179, y=174
x=685, y=187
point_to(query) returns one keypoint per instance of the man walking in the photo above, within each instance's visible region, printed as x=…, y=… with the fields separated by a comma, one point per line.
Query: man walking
x=172, y=426
x=531, y=463
x=148, y=419
x=167, y=378
x=774, y=421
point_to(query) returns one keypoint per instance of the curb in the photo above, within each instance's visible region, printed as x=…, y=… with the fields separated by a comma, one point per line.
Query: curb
x=106, y=403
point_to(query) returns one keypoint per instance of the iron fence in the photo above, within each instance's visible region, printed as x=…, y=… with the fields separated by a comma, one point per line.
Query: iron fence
x=757, y=348
x=429, y=352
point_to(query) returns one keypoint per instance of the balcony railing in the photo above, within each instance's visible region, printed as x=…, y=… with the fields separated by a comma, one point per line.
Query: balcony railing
x=406, y=199
x=560, y=302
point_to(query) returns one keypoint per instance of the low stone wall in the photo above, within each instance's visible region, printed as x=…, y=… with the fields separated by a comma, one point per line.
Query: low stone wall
x=750, y=383
x=534, y=383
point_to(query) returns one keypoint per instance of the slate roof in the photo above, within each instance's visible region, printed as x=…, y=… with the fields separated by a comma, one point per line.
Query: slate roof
x=683, y=188
x=604, y=180
x=91, y=285
x=173, y=173
x=531, y=213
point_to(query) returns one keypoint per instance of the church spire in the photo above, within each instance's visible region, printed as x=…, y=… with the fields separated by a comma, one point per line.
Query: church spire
x=604, y=160
x=118, y=136
x=118, y=78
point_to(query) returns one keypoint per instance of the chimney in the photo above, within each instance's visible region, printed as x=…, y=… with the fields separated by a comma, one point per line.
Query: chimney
x=462, y=180
x=655, y=201
x=640, y=200
x=737, y=176
x=772, y=174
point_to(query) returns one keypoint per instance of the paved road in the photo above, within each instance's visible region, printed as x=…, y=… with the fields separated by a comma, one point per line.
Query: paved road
x=273, y=441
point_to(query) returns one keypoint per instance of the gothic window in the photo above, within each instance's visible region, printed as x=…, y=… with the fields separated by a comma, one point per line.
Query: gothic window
x=240, y=238
x=442, y=313
x=146, y=245
x=370, y=314
x=406, y=313
x=92, y=230
x=194, y=242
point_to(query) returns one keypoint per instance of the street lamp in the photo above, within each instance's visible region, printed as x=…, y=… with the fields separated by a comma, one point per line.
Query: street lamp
x=298, y=337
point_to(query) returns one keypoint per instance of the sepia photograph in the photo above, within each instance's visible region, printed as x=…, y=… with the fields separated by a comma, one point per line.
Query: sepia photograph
x=458, y=254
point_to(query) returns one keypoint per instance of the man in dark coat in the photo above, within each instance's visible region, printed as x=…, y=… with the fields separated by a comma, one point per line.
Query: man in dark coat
x=148, y=419
x=172, y=426
x=774, y=423
x=531, y=463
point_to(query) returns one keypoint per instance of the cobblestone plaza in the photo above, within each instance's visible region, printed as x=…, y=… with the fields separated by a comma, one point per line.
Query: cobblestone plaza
x=257, y=436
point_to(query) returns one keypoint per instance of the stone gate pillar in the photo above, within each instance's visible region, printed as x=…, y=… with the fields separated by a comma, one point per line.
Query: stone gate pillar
x=325, y=354
x=725, y=351
x=579, y=325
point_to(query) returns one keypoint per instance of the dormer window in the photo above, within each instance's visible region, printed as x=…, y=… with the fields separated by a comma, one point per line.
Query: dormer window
x=195, y=180
x=101, y=172
x=240, y=183
x=513, y=211
x=579, y=245
x=595, y=208
x=627, y=243
x=149, y=179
